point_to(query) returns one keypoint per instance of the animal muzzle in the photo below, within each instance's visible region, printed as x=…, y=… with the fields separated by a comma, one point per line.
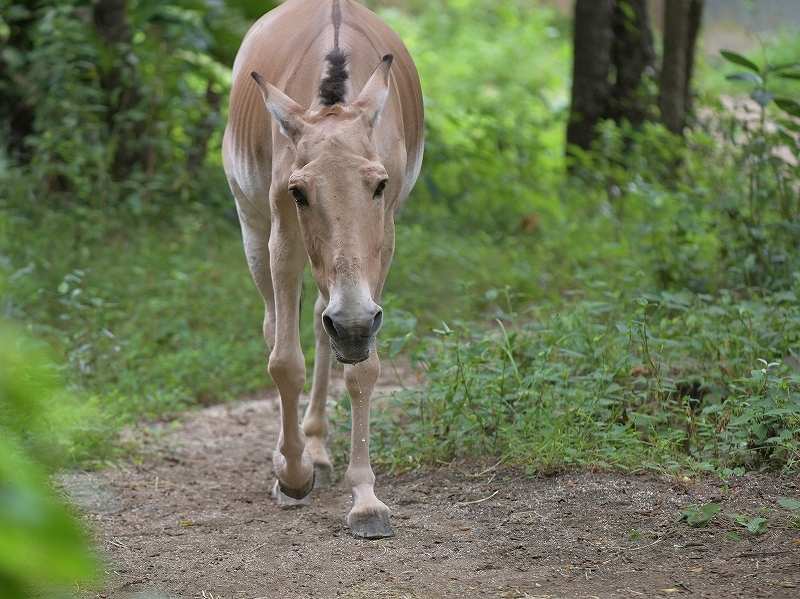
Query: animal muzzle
x=352, y=332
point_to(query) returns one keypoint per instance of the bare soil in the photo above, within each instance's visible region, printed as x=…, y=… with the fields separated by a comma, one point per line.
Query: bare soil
x=195, y=519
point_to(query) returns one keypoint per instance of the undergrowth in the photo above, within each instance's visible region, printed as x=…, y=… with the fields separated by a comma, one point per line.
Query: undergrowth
x=144, y=321
x=668, y=381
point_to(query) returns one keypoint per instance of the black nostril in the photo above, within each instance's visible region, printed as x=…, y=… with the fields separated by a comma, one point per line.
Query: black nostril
x=376, y=324
x=330, y=328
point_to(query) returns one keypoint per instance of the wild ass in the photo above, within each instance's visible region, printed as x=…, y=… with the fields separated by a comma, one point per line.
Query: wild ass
x=321, y=181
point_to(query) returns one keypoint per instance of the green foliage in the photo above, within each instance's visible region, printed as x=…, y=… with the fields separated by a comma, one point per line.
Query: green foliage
x=755, y=526
x=760, y=224
x=679, y=380
x=42, y=548
x=702, y=214
x=55, y=428
x=494, y=79
x=789, y=504
x=67, y=141
x=146, y=321
x=155, y=100
x=760, y=77
x=699, y=517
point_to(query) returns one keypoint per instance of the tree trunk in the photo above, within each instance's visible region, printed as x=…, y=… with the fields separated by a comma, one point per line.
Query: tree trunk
x=613, y=53
x=591, y=64
x=695, y=19
x=111, y=23
x=633, y=56
x=674, y=68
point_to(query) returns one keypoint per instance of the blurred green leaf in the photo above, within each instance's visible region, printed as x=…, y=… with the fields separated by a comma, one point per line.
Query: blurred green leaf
x=789, y=504
x=740, y=60
x=41, y=545
x=751, y=77
x=789, y=106
x=762, y=96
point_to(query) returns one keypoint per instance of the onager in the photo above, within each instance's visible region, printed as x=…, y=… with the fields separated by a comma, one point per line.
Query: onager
x=320, y=181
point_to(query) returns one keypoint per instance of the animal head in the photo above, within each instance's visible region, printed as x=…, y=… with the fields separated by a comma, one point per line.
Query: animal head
x=337, y=184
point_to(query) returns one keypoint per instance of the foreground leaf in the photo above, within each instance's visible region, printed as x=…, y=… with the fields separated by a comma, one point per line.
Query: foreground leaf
x=740, y=60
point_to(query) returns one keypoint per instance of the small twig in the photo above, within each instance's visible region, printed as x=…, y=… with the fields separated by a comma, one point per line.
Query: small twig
x=646, y=546
x=616, y=557
x=624, y=549
x=487, y=470
x=117, y=543
x=661, y=538
x=254, y=549
x=479, y=500
x=525, y=517
x=469, y=474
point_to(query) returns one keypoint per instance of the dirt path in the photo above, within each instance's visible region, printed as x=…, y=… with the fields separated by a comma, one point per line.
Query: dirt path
x=195, y=519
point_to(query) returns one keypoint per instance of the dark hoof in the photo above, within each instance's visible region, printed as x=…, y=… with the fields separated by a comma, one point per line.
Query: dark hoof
x=322, y=476
x=288, y=497
x=371, y=525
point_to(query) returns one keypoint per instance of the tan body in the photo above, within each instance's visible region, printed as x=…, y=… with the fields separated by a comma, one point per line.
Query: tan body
x=309, y=180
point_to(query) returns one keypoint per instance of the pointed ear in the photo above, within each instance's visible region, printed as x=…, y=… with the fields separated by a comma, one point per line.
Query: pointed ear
x=373, y=97
x=286, y=111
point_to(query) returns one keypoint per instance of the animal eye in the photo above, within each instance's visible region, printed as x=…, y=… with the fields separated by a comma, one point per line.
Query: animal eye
x=379, y=190
x=299, y=198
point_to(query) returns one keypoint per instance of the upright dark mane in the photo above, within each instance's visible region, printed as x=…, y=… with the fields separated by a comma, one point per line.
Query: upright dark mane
x=333, y=88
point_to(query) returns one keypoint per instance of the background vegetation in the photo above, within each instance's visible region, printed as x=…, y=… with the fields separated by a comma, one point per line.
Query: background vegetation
x=643, y=314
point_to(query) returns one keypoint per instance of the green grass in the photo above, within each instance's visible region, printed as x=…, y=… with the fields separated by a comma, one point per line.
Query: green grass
x=145, y=320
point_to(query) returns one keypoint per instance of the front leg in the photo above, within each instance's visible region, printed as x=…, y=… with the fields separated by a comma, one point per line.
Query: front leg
x=292, y=459
x=369, y=517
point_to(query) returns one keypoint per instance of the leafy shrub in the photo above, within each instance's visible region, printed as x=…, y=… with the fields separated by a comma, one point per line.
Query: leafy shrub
x=493, y=75
x=715, y=210
x=155, y=99
x=42, y=548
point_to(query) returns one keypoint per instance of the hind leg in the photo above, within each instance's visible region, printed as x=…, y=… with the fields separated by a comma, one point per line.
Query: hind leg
x=315, y=423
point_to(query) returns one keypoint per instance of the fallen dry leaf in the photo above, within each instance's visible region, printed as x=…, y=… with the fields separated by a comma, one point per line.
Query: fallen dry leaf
x=570, y=483
x=670, y=591
x=696, y=570
x=796, y=542
x=464, y=528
